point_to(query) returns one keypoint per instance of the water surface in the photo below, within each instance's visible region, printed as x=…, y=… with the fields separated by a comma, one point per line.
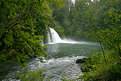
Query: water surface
x=61, y=60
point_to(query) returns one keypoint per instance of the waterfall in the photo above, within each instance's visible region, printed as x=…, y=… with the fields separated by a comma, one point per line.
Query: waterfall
x=48, y=37
x=53, y=36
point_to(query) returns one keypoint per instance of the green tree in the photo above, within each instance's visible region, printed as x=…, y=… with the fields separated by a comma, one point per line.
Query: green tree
x=23, y=26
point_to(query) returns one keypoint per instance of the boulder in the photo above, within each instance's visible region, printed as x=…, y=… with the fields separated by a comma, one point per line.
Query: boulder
x=81, y=60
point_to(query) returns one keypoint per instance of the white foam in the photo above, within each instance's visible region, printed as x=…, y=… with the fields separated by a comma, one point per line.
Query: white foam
x=54, y=38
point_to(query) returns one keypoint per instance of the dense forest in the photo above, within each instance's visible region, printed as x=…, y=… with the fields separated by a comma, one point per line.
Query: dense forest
x=98, y=20
x=24, y=25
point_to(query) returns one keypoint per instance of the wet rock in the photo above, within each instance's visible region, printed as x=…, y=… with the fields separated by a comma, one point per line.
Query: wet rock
x=86, y=64
x=81, y=60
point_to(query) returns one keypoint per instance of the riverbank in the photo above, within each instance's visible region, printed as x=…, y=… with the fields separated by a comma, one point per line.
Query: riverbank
x=61, y=60
x=98, y=69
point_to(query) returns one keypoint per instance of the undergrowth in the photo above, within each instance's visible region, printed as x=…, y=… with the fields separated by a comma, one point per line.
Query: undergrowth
x=101, y=70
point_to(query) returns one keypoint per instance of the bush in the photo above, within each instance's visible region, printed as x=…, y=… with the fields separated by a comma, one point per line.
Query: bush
x=109, y=71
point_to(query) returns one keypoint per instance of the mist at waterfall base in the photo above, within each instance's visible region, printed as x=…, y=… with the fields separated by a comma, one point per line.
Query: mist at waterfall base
x=53, y=38
x=62, y=55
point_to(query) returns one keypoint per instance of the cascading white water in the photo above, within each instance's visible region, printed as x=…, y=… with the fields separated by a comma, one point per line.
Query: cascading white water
x=53, y=36
x=48, y=36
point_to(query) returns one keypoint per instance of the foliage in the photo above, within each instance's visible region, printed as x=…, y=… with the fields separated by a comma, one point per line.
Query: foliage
x=97, y=20
x=100, y=21
x=103, y=18
x=23, y=27
x=104, y=71
x=85, y=19
x=30, y=75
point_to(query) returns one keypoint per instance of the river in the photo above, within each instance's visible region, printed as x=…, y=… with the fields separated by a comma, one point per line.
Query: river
x=61, y=60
